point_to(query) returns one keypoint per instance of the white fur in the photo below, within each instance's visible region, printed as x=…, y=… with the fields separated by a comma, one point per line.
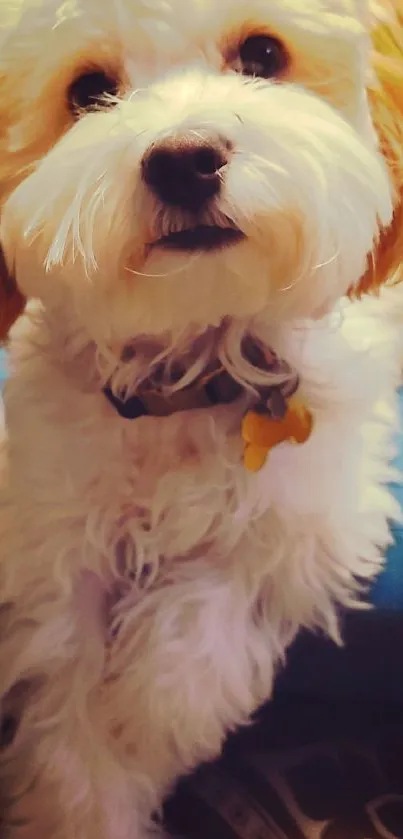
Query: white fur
x=151, y=585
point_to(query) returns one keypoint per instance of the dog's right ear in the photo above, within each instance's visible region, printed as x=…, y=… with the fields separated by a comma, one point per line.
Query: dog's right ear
x=11, y=300
x=385, y=95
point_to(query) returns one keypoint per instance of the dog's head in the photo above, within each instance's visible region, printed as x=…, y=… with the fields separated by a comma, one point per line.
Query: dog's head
x=170, y=162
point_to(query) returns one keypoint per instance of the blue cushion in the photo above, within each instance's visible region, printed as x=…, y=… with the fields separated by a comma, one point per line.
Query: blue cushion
x=387, y=593
x=3, y=365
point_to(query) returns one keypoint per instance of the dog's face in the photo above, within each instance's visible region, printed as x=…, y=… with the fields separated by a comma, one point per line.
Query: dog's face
x=172, y=162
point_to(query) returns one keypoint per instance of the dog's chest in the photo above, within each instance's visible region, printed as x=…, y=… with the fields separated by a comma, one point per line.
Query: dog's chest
x=138, y=493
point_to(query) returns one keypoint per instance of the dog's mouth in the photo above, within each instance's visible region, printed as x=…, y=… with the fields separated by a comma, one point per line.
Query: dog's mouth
x=202, y=237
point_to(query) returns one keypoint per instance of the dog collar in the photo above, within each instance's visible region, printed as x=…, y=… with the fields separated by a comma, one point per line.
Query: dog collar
x=276, y=414
x=215, y=388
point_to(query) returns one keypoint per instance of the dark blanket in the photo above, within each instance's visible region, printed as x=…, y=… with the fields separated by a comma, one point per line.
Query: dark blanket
x=307, y=770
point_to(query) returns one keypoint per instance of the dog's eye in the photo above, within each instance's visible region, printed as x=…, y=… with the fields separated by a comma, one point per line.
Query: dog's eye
x=263, y=56
x=90, y=91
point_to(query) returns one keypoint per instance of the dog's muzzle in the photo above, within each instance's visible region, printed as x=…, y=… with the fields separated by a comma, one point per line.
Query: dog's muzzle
x=186, y=173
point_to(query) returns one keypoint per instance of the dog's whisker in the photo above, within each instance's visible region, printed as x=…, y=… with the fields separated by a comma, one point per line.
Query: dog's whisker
x=293, y=284
x=326, y=262
x=173, y=272
x=134, y=93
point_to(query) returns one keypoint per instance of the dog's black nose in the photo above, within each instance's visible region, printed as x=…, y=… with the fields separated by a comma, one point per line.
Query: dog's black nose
x=186, y=171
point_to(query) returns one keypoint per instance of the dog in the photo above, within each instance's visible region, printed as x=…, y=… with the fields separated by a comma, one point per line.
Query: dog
x=202, y=205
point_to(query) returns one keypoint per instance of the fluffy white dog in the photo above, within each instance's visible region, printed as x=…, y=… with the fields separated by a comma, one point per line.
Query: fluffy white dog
x=190, y=188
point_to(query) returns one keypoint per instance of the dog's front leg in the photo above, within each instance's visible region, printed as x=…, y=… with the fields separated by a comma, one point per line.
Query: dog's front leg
x=188, y=663
x=58, y=776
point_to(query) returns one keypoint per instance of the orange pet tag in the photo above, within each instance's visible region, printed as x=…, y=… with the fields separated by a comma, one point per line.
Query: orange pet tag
x=261, y=432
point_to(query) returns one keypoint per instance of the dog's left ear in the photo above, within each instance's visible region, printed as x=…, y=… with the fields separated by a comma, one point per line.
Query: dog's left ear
x=11, y=300
x=386, y=101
